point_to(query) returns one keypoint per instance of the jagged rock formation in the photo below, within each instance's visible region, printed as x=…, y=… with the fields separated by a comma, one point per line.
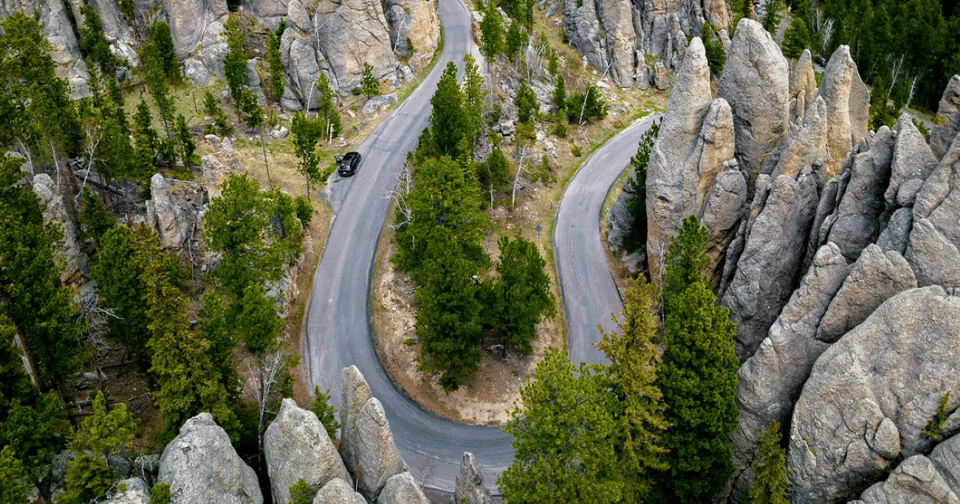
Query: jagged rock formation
x=921, y=480
x=616, y=34
x=165, y=215
x=136, y=493
x=366, y=443
x=848, y=104
x=803, y=85
x=200, y=465
x=402, y=489
x=470, y=489
x=355, y=32
x=295, y=446
x=55, y=210
x=755, y=81
x=338, y=491
x=948, y=118
x=870, y=395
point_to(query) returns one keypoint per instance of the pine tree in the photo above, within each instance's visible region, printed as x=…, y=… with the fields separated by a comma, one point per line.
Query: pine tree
x=491, y=32
x=33, y=432
x=639, y=409
x=145, y=140
x=220, y=125
x=516, y=39
x=561, y=439
x=770, y=482
x=305, y=134
x=698, y=376
x=716, y=57
x=186, y=147
x=93, y=43
x=101, y=435
x=160, y=46
x=275, y=62
x=637, y=183
x=324, y=411
x=330, y=123
x=521, y=294
x=235, y=61
x=796, y=38
x=560, y=95
x=773, y=11
x=526, y=102
x=369, y=85
x=473, y=99
x=13, y=478
x=118, y=275
x=448, y=123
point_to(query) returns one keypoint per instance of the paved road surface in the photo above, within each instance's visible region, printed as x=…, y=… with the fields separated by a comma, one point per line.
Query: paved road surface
x=338, y=329
x=589, y=293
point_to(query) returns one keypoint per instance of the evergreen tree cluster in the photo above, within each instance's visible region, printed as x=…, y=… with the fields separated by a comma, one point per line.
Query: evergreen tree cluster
x=493, y=38
x=648, y=426
x=637, y=185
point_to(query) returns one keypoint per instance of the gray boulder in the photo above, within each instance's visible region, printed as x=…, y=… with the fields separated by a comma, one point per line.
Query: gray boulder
x=301, y=66
x=769, y=382
x=298, y=16
x=354, y=32
x=55, y=21
x=912, y=158
x=188, y=21
x=768, y=267
x=875, y=277
x=268, y=12
x=469, y=487
x=857, y=221
x=933, y=258
x=916, y=480
x=755, y=81
x=378, y=103
x=871, y=394
x=366, y=443
x=948, y=118
x=196, y=72
x=672, y=171
x=338, y=491
x=165, y=214
x=848, y=103
x=75, y=261
x=402, y=489
x=135, y=492
x=200, y=465
x=295, y=446
x=661, y=79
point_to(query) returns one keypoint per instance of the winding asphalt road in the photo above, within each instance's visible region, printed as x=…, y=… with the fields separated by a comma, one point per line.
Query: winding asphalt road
x=338, y=325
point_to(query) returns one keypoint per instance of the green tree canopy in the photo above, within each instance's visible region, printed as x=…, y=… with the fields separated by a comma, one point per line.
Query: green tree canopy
x=770, y=483
x=526, y=102
x=491, y=32
x=448, y=123
x=369, y=85
x=561, y=439
x=796, y=38
x=516, y=39
x=637, y=185
x=118, y=275
x=94, y=44
x=305, y=133
x=324, y=411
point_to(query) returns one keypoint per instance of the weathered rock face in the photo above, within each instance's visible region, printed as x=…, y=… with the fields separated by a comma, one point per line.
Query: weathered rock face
x=413, y=22
x=165, y=214
x=919, y=480
x=366, y=443
x=722, y=214
x=767, y=268
x=470, y=489
x=338, y=491
x=939, y=197
x=871, y=394
x=75, y=262
x=948, y=116
x=755, y=81
x=769, y=382
x=402, y=489
x=672, y=170
x=295, y=446
x=58, y=28
x=805, y=145
x=933, y=258
x=912, y=158
x=188, y=21
x=200, y=465
x=268, y=12
x=876, y=277
x=301, y=66
x=354, y=32
x=856, y=222
x=848, y=104
x=803, y=85
x=136, y=493
x=581, y=25
x=617, y=17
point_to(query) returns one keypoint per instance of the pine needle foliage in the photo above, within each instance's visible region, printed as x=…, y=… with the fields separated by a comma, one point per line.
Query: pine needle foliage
x=770, y=482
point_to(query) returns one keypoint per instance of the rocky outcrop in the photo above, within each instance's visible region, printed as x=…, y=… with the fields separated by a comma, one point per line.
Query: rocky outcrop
x=413, y=22
x=939, y=197
x=74, y=261
x=803, y=85
x=871, y=394
x=581, y=25
x=366, y=443
x=875, y=277
x=856, y=221
x=806, y=143
x=769, y=382
x=617, y=17
x=135, y=491
x=948, y=118
x=55, y=19
x=767, y=269
x=921, y=480
x=933, y=258
x=912, y=159
x=189, y=21
x=755, y=81
x=723, y=212
x=165, y=215
x=296, y=446
x=354, y=32
x=672, y=170
x=897, y=233
x=338, y=491
x=470, y=489
x=200, y=465
x=402, y=489
x=268, y=12
x=848, y=104
x=301, y=67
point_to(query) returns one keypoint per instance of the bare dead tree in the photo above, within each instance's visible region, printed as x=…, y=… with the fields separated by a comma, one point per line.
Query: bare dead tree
x=404, y=184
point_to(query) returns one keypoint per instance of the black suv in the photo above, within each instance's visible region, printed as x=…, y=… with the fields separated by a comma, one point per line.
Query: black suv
x=348, y=163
